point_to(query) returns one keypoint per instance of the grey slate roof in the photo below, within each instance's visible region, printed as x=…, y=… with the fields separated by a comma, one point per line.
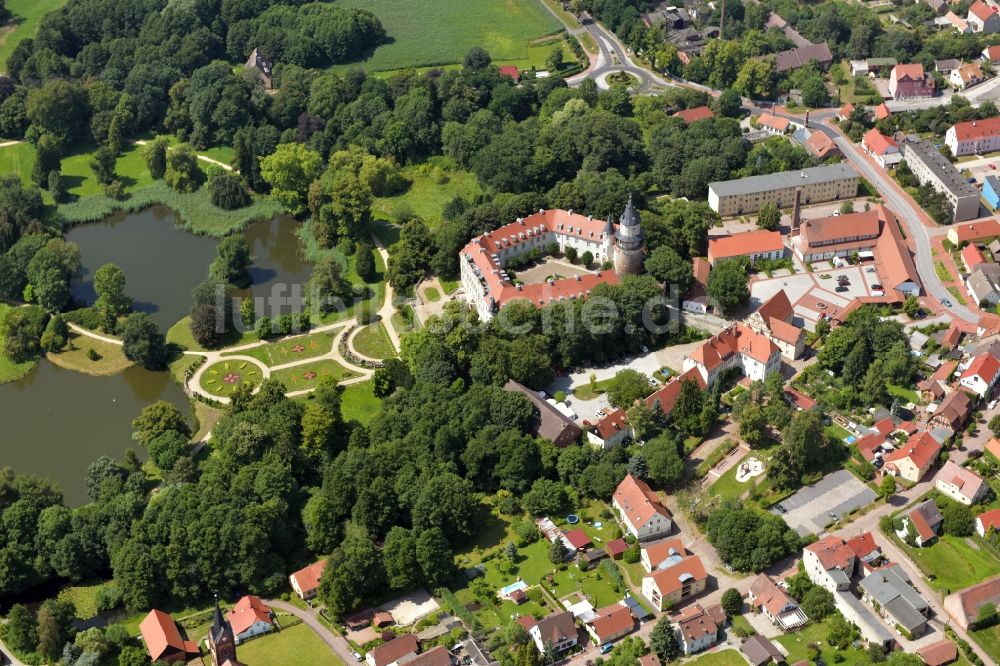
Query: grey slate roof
x=783, y=179
x=943, y=169
x=892, y=589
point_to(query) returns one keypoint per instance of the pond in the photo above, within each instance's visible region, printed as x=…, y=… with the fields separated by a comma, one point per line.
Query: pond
x=56, y=422
x=163, y=263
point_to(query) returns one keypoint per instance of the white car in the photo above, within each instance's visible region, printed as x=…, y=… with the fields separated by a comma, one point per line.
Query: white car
x=358, y=657
x=992, y=405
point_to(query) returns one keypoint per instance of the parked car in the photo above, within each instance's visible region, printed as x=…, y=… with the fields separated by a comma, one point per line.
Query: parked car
x=877, y=287
x=841, y=289
x=870, y=269
x=946, y=303
x=644, y=349
x=357, y=656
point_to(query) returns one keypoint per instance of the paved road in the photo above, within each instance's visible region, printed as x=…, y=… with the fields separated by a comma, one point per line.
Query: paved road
x=5, y=652
x=988, y=90
x=310, y=617
x=612, y=57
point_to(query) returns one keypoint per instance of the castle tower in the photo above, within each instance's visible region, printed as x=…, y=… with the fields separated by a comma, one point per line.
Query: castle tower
x=629, y=242
x=609, y=239
x=221, y=642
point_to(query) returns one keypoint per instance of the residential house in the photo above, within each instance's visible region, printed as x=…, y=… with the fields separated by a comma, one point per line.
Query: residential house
x=910, y=81
x=558, y=630
x=991, y=54
x=892, y=594
x=845, y=113
x=548, y=421
x=986, y=521
x=982, y=18
x=881, y=148
x=829, y=563
x=612, y=622
x=696, y=299
x=305, y=581
x=391, y=652
x=774, y=319
x=510, y=71
x=913, y=460
x=640, y=509
x=616, y=548
x=939, y=6
x=991, y=191
x=974, y=231
x=882, y=111
x=577, y=539
x=695, y=114
x=947, y=66
x=921, y=524
x=983, y=285
x=982, y=373
x=955, y=21
x=250, y=617
x=677, y=578
x=654, y=554
x=972, y=257
x=798, y=400
x=261, y=66
x=759, y=651
x=953, y=411
x=993, y=447
x=436, y=656
x=964, y=606
x=967, y=75
x=163, y=639
x=961, y=484
x=735, y=347
x=775, y=604
x=773, y=124
x=867, y=552
x=939, y=653
x=754, y=245
x=697, y=629
x=802, y=56
x=821, y=146
x=873, y=631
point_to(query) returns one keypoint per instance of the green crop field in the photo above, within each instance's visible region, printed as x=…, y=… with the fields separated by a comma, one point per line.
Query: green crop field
x=27, y=15
x=441, y=32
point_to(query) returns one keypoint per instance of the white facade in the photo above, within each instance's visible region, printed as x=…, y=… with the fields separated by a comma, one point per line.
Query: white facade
x=830, y=580
x=982, y=143
x=656, y=525
x=256, y=629
x=751, y=367
x=977, y=384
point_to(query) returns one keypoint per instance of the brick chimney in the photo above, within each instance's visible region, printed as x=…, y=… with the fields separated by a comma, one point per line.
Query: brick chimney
x=797, y=211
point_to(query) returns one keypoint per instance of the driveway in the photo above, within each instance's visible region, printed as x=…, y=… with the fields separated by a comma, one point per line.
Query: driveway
x=813, y=507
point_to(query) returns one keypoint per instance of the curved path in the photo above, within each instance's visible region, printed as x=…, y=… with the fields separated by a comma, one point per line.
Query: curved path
x=387, y=309
x=203, y=158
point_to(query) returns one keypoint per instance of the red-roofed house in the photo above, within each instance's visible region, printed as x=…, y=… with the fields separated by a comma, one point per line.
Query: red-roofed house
x=775, y=603
x=774, y=319
x=436, y=656
x=913, y=460
x=982, y=18
x=960, y=484
x=305, y=581
x=163, y=639
x=922, y=523
x=964, y=606
x=882, y=111
x=799, y=400
x=657, y=553
x=821, y=146
x=993, y=447
x=953, y=411
x=510, y=71
x=696, y=300
x=735, y=347
x=754, y=245
x=676, y=579
x=881, y=148
x=829, y=563
x=909, y=81
x=640, y=509
x=991, y=54
x=773, y=124
x=974, y=136
x=697, y=629
x=981, y=375
x=939, y=653
x=845, y=112
x=694, y=115
x=988, y=520
x=967, y=75
x=612, y=623
x=250, y=617
x=969, y=232
x=616, y=548
x=391, y=652
x=972, y=257
x=578, y=539
x=866, y=550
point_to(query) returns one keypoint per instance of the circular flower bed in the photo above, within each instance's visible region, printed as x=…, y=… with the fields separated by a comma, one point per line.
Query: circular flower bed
x=222, y=378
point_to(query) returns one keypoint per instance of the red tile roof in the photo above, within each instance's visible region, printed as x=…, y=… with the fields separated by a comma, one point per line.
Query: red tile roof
x=701, y=270
x=877, y=143
x=846, y=111
x=986, y=366
x=882, y=111
x=308, y=577
x=913, y=71
x=968, y=482
x=833, y=552
x=436, y=656
x=820, y=145
x=774, y=122
x=160, y=633
x=743, y=244
x=862, y=545
x=509, y=70
x=694, y=623
x=667, y=395
x=993, y=52
x=693, y=115
x=247, y=612
x=833, y=229
x=921, y=449
x=972, y=231
x=768, y=595
x=777, y=307
x=617, y=547
x=938, y=654
x=612, y=621
x=980, y=10
x=578, y=538
x=661, y=550
x=737, y=339
x=672, y=578
x=993, y=446
x=973, y=598
x=799, y=399
x=867, y=445
x=638, y=501
x=990, y=519
x=611, y=424
x=394, y=650
x=649, y=660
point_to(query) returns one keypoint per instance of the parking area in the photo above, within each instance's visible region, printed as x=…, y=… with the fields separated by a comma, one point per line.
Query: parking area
x=414, y=606
x=814, y=507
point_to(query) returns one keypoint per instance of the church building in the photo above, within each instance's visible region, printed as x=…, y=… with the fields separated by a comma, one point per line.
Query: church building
x=221, y=641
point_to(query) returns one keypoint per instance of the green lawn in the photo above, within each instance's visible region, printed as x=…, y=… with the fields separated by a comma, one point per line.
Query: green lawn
x=10, y=371
x=224, y=377
x=797, y=643
x=296, y=646
x=952, y=563
x=27, y=14
x=727, y=487
x=442, y=32
x=180, y=334
x=433, y=184
x=84, y=598
x=309, y=375
x=989, y=640
x=358, y=402
x=904, y=394
x=373, y=341
x=838, y=432
x=292, y=349
x=588, y=392
x=404, y=320
x=722, y=658
x=432, y=294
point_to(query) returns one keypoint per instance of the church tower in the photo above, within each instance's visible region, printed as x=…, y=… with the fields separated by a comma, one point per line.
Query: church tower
x=221, y=642
x=629, y=242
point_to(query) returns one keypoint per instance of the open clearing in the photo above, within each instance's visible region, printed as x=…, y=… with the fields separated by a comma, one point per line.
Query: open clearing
x=441, y=32
x=295, y=646
x=27, y=15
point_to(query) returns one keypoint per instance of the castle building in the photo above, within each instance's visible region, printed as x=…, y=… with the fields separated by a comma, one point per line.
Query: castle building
x=221, y=641
x=483, y=261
